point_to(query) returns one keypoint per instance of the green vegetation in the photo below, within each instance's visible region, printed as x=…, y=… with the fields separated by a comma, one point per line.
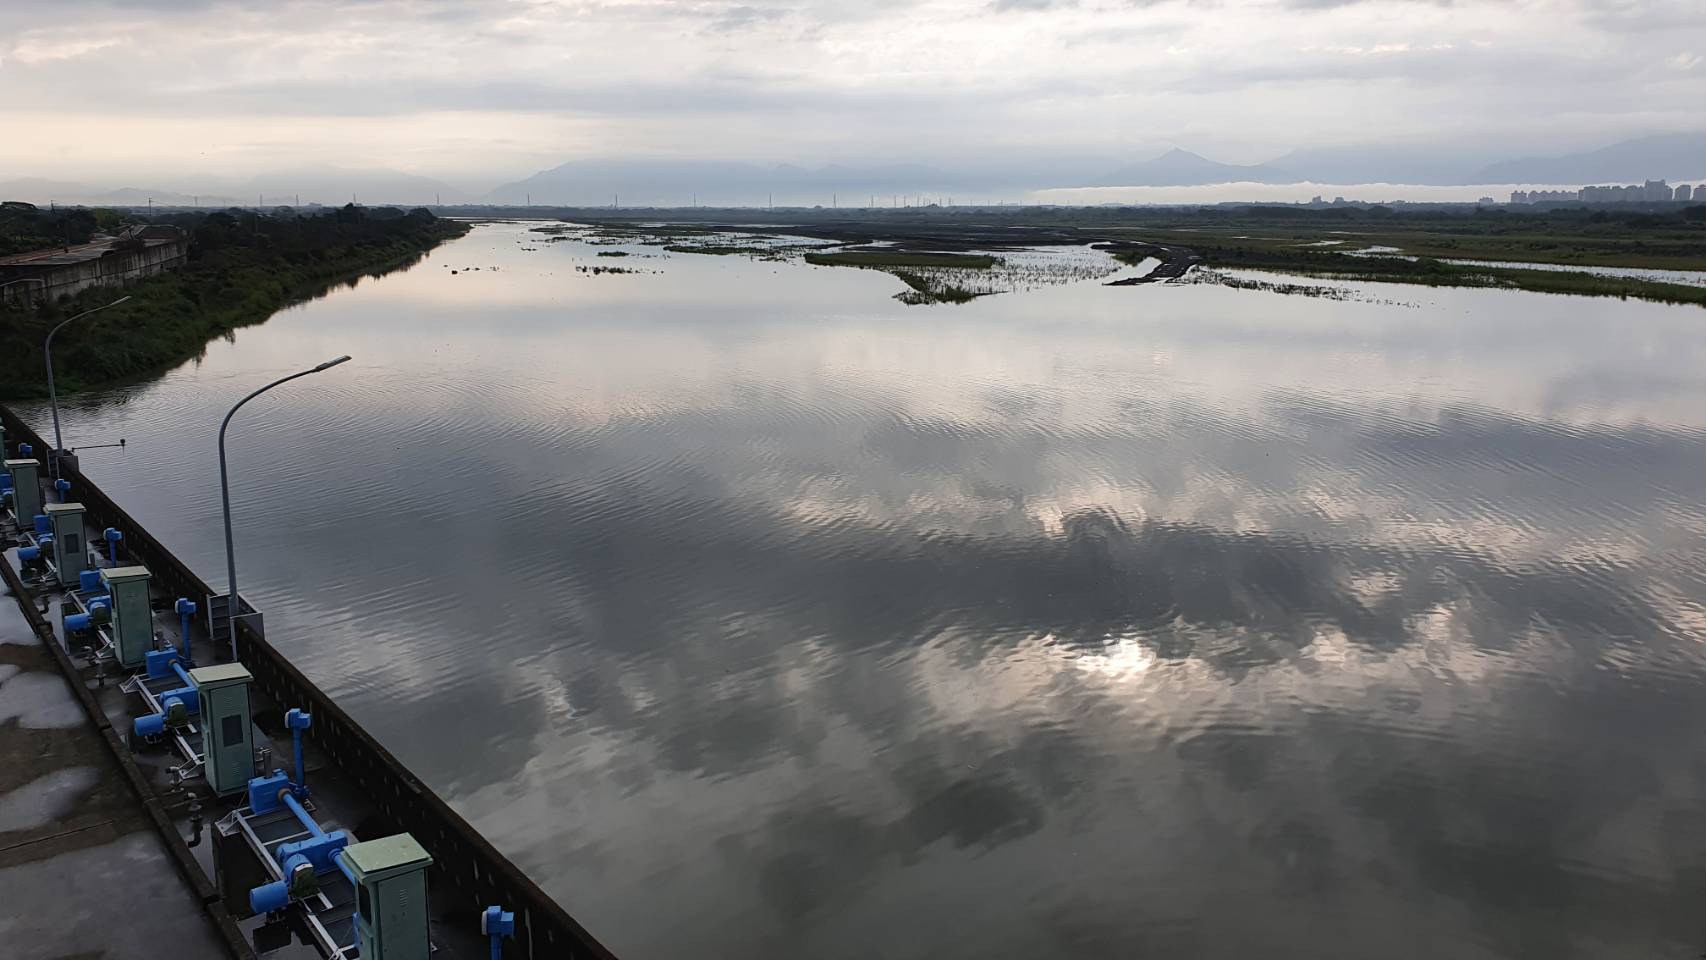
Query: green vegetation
x=900, y=258
x=719, y=250
x=922, y=287
x=929, y=290
x=24, y=227
x=242, y=269
x=1311, y=241
x=1324, y=262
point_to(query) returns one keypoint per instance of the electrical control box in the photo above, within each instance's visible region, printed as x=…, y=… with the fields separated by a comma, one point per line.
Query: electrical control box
x=227, y=744
x=26, y=495
x=391, y=897
x=70, y=552
x=133, y=621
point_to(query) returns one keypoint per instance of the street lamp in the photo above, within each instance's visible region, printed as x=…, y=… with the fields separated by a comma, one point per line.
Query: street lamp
x=232, y=603
x=52, y=395
x=26, y=280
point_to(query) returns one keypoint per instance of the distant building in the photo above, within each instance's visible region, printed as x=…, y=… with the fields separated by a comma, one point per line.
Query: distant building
x=1546, y=196
x=1486, y=201
x=1656, y=191
x=1684, y=192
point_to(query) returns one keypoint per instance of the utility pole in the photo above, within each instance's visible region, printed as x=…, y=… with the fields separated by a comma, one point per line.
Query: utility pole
x=529, y=197
x=833, y=201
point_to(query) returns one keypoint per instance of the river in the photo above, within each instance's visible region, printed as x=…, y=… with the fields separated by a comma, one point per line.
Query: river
x=755, y=613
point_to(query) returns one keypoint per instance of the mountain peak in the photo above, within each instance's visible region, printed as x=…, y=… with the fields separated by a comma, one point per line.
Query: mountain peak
x=1179, y=167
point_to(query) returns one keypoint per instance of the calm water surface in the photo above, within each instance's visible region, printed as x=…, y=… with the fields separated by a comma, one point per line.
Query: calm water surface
x=756, y=614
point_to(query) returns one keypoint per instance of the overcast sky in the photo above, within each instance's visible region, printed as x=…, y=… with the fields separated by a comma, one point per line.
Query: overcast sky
x=482, y=91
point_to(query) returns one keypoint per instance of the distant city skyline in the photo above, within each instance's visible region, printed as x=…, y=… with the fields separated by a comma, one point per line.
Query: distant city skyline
x=1652, y=191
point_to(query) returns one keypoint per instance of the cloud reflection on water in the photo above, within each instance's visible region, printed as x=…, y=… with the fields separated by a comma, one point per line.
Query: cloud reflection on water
x=758, y=615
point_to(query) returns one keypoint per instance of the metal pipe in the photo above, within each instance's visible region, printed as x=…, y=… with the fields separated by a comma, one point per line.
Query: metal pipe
x=296, y=807
x=298, y=720
x=232, y=602
x=338, y=861
x=53, y=395
x=296, y=737
x=186, y=608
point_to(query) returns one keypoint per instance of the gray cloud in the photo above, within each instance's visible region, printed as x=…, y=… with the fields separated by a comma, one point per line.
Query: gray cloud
x=423, y=84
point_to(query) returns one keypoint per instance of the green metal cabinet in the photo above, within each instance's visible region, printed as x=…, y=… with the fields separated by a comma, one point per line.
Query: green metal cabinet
x=391, y=897
x=70, y=551
x=228, y=751
x=26, y=495
x=133, y=621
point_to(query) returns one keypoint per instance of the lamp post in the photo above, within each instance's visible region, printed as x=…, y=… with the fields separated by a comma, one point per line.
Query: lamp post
x=53, y=395
x=232, y=603
x=36, y=280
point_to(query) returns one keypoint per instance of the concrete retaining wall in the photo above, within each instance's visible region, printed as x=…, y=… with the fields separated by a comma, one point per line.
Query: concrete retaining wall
x=116, y=267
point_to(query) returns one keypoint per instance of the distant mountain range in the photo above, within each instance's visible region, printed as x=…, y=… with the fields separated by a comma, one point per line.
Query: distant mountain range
x=341, y=185
x=1181, y=168
x=713, y=183
x=1673, y=156
x=649, y=182
x=327, y=185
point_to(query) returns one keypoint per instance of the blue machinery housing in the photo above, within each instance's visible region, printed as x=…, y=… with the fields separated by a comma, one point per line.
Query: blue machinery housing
x=273, y=858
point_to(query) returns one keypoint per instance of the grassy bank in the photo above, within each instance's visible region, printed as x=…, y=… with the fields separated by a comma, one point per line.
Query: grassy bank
x=241, y=271
x=720, y=250
x=1322, y=262
x=884, y=259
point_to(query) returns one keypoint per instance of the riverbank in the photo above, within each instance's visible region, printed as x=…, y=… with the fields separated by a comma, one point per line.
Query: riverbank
x=1393, y=266
x=240, y=272
x=1415, y=246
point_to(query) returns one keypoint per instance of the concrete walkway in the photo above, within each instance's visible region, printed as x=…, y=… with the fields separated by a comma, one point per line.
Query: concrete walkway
x=83, y=874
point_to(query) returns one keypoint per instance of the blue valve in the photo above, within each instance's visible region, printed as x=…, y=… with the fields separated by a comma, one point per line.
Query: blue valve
x=497, y=923
x=64, y=487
